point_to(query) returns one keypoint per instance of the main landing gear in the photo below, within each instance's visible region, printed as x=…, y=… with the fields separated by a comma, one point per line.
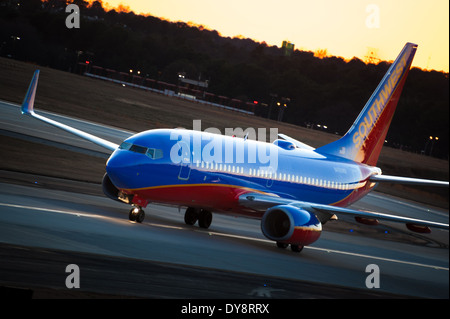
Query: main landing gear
x=294, y=248
x=192, y=215
x=137, y=214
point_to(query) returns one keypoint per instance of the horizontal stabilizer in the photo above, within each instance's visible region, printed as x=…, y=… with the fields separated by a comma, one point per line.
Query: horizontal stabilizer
x=407, y=180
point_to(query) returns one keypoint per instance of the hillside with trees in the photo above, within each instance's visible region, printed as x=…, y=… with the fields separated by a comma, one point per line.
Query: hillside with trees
x=327, y=91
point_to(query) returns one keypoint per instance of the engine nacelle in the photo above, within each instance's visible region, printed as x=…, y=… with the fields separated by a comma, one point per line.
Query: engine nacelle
x=113, y=192
x=290, y=225
x=109, y=189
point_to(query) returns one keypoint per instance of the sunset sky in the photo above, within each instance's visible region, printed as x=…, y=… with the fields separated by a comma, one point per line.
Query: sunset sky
x=345, y=28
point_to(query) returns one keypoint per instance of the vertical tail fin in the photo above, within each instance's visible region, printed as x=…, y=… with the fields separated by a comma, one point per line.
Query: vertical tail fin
x=364, y=140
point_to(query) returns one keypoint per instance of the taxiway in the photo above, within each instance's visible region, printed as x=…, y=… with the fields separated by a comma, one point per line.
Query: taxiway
x=42, y=229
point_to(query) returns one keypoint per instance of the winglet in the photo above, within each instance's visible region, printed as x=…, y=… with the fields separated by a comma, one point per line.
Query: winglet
x=28, y=109
x=28, y=102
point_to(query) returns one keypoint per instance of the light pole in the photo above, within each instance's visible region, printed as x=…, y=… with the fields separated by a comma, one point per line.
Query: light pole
x=432, y=143
x=283, y=104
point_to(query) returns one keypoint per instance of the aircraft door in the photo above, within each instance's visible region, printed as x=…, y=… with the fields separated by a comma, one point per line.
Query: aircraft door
x=270, y=176
x=186, y=160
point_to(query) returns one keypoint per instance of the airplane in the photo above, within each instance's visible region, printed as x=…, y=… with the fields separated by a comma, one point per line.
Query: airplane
x=293, y=191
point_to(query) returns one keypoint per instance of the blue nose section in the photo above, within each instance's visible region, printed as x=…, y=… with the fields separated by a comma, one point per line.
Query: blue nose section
x=123, y=168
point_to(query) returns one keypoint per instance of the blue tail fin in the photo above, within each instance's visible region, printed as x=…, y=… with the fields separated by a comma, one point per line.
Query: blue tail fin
x=363, y=142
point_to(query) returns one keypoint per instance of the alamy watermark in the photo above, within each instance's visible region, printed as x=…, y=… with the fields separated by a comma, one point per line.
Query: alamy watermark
x=373, y=19
x=73, y=279
x=73, y=19
x=236, y=147
x=373, y=279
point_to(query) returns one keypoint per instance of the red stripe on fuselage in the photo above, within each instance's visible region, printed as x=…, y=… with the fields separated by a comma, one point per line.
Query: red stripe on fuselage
x=215, y=197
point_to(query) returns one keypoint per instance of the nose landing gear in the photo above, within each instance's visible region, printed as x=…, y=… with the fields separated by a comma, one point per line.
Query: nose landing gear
x=137, y=214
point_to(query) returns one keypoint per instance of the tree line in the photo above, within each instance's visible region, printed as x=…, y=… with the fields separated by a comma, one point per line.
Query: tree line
x=325, y=91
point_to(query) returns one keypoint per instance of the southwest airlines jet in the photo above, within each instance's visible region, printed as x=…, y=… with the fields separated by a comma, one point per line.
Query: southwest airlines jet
x=293, y=188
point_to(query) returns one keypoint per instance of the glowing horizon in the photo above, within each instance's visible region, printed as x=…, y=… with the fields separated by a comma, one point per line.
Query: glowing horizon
x=344, y=28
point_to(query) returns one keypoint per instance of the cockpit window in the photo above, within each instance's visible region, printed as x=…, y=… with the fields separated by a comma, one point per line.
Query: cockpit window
x=125, y=146
x=138, y=149
x=152, y=153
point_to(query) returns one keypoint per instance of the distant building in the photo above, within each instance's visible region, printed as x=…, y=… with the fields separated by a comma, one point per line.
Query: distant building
x=287, y=47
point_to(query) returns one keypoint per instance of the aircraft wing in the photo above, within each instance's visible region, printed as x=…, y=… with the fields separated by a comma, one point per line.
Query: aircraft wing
x=324, y=213
x=28, y=109
x=296, y=143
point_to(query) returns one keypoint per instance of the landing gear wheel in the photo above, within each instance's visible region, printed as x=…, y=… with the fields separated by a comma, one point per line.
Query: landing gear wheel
x=191, y=216
x=136, y=214
x=204, y=218
x=282, y=245
x=296, y=248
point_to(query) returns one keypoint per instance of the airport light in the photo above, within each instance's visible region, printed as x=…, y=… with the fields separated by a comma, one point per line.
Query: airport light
x=433, y=140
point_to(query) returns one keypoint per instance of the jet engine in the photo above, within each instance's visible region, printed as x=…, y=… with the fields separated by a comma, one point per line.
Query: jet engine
x=288, y=224
x=113, y=192
x=109, y=189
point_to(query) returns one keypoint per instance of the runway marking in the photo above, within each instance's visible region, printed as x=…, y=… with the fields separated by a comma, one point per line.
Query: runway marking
x=337, y=252
x=54, y=211
x=211, y=233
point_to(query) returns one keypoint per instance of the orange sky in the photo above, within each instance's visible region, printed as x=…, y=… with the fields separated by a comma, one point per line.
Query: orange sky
x=345, y=28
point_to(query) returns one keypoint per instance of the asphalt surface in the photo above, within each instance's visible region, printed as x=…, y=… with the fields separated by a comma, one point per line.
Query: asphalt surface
x=46, y=224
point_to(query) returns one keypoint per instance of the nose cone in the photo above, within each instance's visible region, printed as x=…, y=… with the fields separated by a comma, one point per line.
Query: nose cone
x=117, y=159
x=121, y=168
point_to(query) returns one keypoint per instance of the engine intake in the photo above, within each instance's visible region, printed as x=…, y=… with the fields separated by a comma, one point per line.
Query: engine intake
x=113, y=192
x=291, y=225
